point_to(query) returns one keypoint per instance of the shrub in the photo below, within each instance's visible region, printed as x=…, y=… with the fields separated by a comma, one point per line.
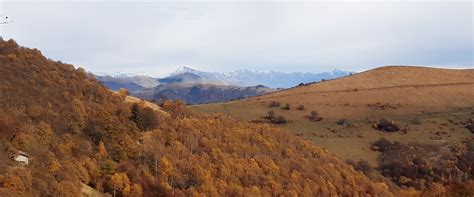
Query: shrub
x=387, y=125
x=471, y=127
x=275, y=104
x=314, y=116
x=274, y=119
x=270, y=115
x=279, y=120
x=300, y=107
x=381, y=145
x=343, y=122
x=286, y=107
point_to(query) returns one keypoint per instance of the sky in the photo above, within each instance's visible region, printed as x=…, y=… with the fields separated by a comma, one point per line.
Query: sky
x=157, y=37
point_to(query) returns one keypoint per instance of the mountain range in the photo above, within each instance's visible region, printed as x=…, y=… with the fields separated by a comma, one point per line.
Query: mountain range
x=243, y=77
x=198, y=87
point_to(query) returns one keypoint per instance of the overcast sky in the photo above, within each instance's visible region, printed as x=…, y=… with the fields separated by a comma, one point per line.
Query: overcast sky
x=157, y=37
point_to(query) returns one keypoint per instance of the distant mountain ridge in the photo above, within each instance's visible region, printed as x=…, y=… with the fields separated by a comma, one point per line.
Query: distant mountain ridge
x=244, y=77
x=199, y=87
x=273, y=79
x=201, y=93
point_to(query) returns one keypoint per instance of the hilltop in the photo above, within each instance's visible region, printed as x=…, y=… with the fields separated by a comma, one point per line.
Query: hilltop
x=76, y=132
x=392, y=90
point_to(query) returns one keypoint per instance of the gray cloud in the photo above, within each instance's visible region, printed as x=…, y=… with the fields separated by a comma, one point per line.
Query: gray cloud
x=313, y=36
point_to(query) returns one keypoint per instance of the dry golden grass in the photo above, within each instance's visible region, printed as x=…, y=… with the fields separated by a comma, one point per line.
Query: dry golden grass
x=403, y=91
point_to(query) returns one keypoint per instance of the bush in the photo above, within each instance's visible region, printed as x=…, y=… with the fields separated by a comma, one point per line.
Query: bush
x=275, y=104
x=343, y=122
x=471, y=127
x=274, y=119
x=314, y=116
x=286, y=107
x=279, y=120
x=300, y=107
x=270, y=115
x=381, y=145
x=386, y=125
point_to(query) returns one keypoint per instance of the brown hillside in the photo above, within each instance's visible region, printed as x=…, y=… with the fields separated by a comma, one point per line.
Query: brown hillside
x=392, y=90
x=77, y=132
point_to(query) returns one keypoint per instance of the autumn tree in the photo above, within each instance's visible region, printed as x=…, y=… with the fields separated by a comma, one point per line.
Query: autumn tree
x=144, y=117
x=123, y=93
x=120, y=182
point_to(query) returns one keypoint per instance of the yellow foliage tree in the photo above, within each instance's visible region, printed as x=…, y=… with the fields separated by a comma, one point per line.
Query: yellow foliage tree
x=119, y=181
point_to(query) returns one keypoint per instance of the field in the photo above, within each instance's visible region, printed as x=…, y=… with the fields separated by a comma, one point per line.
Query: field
x=429, y=104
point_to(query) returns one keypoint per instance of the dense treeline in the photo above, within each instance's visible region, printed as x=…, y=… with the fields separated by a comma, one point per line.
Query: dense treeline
x=76, y=131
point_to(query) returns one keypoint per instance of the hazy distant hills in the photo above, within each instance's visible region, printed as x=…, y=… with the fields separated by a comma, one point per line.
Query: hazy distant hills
x=271, y=79
x=185, y=74
x=201, y=93
x=198, y=87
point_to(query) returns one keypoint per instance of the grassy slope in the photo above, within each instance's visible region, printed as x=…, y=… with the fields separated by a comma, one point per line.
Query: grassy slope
x=430, y=95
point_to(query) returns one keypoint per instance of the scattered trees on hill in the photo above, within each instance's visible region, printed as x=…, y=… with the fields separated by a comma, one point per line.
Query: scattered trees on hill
x=286, y=107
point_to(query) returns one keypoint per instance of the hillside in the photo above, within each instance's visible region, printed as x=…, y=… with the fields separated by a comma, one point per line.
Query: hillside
x=75, y=131
x=393, y=90
x=129, y=83
x=200, y=93
x=427, y=107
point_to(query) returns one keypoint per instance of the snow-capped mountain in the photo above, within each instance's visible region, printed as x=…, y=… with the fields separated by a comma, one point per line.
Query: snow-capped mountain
x=267, y=78
x=244, y=77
